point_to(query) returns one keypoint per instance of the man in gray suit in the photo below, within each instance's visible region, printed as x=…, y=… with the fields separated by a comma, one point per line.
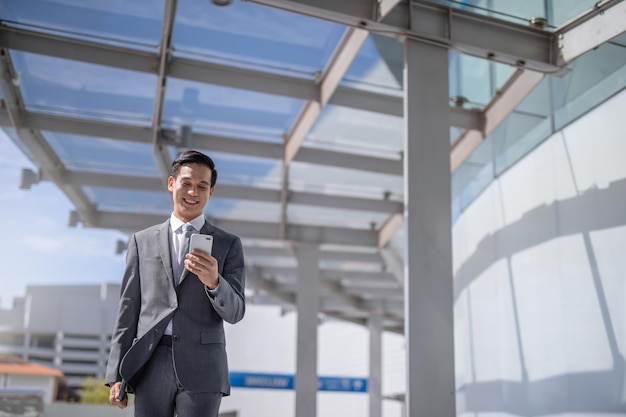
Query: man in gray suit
x=168, y=346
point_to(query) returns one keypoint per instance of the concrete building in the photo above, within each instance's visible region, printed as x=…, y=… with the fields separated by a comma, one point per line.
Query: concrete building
x=66, y=327
x=16, y=375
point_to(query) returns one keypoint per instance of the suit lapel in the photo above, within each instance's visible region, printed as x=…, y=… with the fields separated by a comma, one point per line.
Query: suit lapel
x=163, y=240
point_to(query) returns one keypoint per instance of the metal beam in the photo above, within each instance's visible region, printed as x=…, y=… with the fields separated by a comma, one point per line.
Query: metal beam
x=253, y=251
x=208, y=142
x=44, y=155
x=159, y=149
x=231, y=191
x=132, y=221
x=207, y=72
x=434, y=23
x=350, y=277
x=601, y=24
x=336, y=68
x=512, y=93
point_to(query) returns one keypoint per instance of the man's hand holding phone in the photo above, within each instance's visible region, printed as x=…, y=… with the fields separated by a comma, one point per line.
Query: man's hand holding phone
x=200, y=262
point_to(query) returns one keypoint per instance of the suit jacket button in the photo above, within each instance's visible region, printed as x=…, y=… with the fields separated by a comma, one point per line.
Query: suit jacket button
x=175, y=337
x=221, y=304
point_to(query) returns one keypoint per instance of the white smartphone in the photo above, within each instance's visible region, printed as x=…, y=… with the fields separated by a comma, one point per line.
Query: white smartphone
x=202, y=242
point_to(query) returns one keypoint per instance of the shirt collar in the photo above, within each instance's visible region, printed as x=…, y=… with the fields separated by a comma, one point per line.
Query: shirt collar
x=176, y=223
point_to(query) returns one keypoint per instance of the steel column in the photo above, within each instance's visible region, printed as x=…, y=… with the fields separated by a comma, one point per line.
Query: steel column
x=307, y=302
x=428, y=241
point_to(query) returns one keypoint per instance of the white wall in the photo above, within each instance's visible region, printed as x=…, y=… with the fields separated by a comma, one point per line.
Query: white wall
x=540, y=271
x=265, y=342
x=43, y=383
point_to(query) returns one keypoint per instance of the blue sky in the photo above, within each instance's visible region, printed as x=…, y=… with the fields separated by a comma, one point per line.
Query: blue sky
x=37, y=246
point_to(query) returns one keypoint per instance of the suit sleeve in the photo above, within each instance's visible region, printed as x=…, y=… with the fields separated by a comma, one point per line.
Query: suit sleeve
x=229, y=298
x=128, y=313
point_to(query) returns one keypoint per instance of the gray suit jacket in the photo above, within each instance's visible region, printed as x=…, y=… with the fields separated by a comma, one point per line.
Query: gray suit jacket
x=149, y=300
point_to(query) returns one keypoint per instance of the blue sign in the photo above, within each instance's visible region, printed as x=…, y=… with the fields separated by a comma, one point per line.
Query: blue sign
x=327, y=383
x=271, y=381
x=284, y=381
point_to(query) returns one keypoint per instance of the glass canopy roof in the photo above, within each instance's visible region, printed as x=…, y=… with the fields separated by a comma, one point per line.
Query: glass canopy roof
x=303, y=116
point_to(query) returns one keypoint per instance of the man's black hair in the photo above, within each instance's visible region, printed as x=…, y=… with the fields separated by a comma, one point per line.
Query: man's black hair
x=193, y=157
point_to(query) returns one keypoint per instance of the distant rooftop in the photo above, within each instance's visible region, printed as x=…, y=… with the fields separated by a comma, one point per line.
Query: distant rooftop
x=14, y=365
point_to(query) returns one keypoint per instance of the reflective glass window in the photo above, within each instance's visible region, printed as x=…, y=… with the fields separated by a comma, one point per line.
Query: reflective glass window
x=103, y=155
x=207, y=107
x=379, y=63
x=343, y=181
x=351, y=130
x=61, y=86
x=254, y=36
x=118, y=21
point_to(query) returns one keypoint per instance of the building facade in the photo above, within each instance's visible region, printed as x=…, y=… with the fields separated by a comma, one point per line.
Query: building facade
x=66, y=327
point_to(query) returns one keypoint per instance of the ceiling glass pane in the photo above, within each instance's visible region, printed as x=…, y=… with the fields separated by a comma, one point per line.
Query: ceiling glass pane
x=476, y=79
x=117, y=21
x=510, y=10
x=254, y=35
x=160, y=202
x=562, y=11
x=378, y=64
x=254, y=211
x=238, y=113
x=320, y=216
x=61, y=86
x=343, y=181
x=135, y=201
x=357, y=131
x=557, y=12
x=103, y=155
x=245, y=170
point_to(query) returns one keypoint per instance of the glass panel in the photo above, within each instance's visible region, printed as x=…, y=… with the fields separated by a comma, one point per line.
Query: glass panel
x=103, y=155
x=136, y=201
x=343, y=181
x=564, y=11
x=472, y=177
x=352, y=130
x=476, y=79
x=470, y=78
x=319, y=216
x=379, y=63
x=512, y=11
x=523, y=129
x=595, y=76
x=558, y=12
x=160, y=202
x=245, y=170
x=54, y=85
x=254, y=35
x=239, y=113
x=121, y=22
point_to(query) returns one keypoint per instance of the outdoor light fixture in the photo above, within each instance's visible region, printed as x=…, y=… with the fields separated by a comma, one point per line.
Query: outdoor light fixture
x=222, y=2
x=29, y=178
x=184, y=136
x=120, y=246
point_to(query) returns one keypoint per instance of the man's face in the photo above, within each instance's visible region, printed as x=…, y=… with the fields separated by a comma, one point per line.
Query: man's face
x=191, y=190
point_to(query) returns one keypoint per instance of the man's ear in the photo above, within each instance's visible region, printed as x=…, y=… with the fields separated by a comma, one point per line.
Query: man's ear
x=211, y=191
x=170, y=183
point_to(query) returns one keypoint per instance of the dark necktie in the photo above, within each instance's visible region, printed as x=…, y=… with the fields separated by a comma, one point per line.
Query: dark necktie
x=184, y=248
